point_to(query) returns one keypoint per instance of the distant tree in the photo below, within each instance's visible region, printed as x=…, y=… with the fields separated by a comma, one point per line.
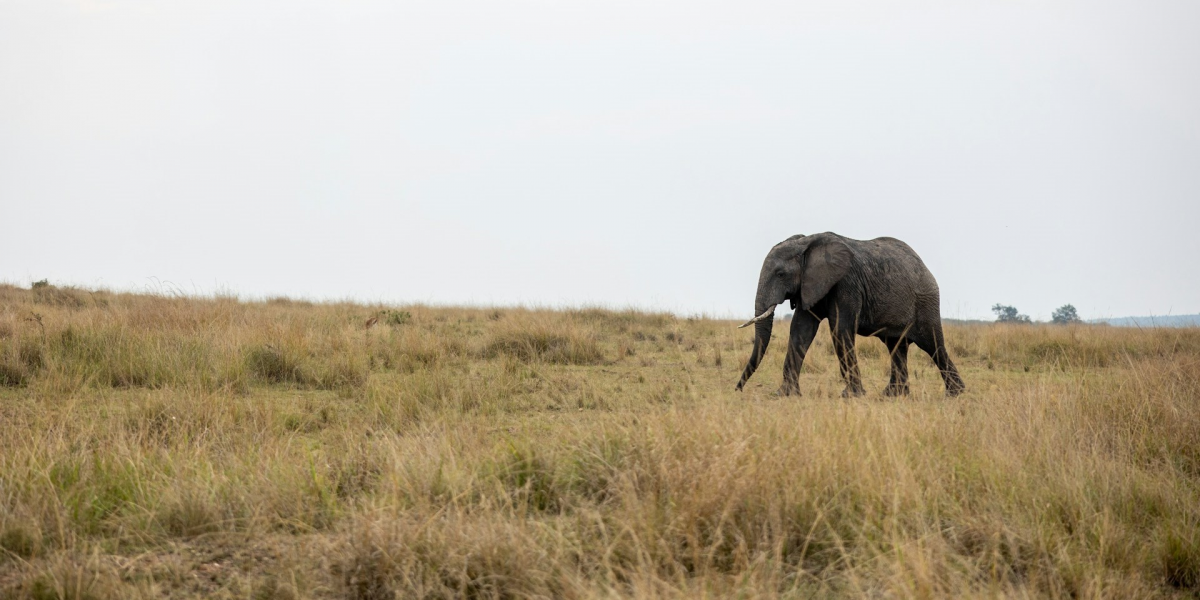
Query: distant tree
x=1008, y=314
x=1065, y=314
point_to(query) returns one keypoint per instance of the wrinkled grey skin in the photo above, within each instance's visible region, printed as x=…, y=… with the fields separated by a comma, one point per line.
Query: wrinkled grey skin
x=875, y=287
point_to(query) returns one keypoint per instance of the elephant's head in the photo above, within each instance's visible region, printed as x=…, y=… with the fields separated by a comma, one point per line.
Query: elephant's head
x=801, y=269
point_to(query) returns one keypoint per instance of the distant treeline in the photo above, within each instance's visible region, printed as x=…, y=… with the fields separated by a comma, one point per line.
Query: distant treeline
x=1162, y=321
x=1144, y=322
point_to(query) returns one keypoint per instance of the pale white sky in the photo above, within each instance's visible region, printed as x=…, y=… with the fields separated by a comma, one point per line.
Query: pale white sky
x=613, y=153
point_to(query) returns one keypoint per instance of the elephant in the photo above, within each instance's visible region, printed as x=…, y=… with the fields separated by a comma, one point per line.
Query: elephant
x=876, y=287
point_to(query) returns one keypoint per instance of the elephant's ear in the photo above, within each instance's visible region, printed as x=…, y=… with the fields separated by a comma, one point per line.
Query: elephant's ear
x=825, y=263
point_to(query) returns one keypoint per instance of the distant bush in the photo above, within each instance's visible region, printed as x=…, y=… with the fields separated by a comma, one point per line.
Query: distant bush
x=1065, y=314
x=1008, y=314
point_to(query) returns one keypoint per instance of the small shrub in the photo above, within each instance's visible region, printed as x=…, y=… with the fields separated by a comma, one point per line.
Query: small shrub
x=396, y=318
x=530, y=346
x=188, y=516
x=596, y=465
x=341, y=373
x=285, y=301
x=268, y=363
x=272, y=589
x=56, y=296
x=105, y=493
x=620, y=321
x=460, y=557
x=1065, y=353
x=317, y=421
x=12, y=374
x=357, y=476
x=528, y=477
x=19, y=541
x=1181, y=561
x=32, y=355
x=67, y=579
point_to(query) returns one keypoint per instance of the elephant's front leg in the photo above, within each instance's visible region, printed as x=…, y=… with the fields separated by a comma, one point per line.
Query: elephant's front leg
x=803, y=330
x=843, y=344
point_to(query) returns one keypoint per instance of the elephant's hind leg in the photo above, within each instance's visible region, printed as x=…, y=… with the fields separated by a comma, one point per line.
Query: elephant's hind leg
x=898, y=349
x=930, y=340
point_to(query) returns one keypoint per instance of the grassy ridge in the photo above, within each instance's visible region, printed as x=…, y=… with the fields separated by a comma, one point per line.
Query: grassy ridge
x=178, y=447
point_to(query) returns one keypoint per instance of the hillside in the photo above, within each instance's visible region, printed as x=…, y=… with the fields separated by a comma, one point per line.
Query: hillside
x=168, y=447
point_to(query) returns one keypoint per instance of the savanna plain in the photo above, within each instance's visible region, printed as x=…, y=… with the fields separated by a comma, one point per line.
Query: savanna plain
x=154, y=446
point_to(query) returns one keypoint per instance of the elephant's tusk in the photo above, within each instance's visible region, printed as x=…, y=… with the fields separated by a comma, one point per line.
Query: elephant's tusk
x=766, y=313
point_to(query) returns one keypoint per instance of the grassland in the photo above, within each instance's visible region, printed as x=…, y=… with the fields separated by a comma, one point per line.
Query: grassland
x=156, y=446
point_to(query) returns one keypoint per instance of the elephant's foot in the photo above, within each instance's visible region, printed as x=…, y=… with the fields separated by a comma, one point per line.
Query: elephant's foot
x=954, y=385
x=853, y=392
x=896, y=389
x=788, y=390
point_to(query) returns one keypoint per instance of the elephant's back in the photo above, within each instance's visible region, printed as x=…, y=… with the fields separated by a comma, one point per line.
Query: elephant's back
x=894, y=245
x=894, y=283
x=898, y=267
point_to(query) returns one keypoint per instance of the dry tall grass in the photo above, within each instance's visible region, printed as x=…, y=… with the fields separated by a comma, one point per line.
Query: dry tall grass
x=178, y=447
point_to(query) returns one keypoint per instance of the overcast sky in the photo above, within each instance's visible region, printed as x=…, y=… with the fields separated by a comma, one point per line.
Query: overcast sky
x=641, y=154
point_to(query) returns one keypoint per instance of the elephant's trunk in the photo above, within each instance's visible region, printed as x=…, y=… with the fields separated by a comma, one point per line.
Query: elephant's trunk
x=763, y=303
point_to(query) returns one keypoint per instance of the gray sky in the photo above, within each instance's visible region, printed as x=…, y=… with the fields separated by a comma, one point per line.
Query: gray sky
x=640, y=154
